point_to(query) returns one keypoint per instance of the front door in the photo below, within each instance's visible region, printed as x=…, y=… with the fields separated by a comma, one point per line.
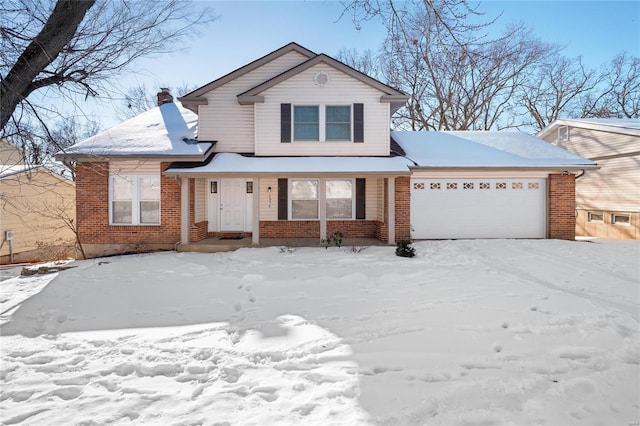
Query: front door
x=232, y=204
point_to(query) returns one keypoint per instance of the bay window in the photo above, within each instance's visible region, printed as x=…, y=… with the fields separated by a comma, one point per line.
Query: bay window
x=134, y=200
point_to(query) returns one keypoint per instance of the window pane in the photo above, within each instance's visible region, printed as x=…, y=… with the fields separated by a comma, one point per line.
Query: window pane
x=121, y=188
x=339, y=199
x=339, y=189
x=339, y=208
x=304, y=189
x=121, y=211
x=338, y=126
x=150, y=188
x=304, y=209
x=306, y=123
x=149, y=212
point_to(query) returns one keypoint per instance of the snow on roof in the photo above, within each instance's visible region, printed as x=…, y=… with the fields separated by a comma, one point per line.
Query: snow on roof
x=239, y=164
x=484, y=149
x=6, y=171
x=627, y=126
x=168, y=130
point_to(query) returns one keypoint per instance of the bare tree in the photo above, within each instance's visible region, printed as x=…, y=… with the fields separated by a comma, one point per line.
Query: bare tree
x=140, y=98
x=77, y=47
x=366, y=61
x=557, y=88
x=618, y=91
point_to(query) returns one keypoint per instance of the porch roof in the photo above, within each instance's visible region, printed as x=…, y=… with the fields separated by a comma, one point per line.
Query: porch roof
x=237, y=164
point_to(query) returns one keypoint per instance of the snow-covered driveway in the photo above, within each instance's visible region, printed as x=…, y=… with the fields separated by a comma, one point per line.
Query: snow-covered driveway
x=468, y=332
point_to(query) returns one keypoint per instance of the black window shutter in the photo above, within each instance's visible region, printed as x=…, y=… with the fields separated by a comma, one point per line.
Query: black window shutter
x=361, y=197
x=358, y=122
x=285, y=122
x=283, y=199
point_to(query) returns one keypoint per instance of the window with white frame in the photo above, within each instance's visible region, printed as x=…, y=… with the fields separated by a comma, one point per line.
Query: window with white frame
x=339, y=198
x=563, y=133
x=338, y=123
x=306, y=123
x=597, y=217
x=304, y=198
x=135, y=200
x=621, y=219
x=322, y=123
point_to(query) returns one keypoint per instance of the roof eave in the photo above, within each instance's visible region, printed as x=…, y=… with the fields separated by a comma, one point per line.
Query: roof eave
x=564, y=168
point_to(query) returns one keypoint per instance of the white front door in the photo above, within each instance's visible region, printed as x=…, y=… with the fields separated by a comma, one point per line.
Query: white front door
x=232, y=204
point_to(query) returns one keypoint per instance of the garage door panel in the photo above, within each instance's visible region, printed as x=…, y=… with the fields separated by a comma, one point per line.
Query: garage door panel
x=478, y=208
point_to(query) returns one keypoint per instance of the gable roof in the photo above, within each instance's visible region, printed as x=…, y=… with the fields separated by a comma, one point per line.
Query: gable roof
x=625, y=126
x=7, y=172
x=396, y=97
x=486, y=150
x=291, y=47
x=167, y=131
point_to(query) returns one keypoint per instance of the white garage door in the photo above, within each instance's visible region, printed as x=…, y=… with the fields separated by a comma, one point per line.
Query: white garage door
x=478, y=208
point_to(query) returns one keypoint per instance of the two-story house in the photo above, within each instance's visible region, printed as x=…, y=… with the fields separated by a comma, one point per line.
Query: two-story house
x=297, y=144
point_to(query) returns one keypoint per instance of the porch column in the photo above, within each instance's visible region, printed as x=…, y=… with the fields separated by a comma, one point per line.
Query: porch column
x=391, y=197
x=255, y=233
x=184, y=210
x=322, y=211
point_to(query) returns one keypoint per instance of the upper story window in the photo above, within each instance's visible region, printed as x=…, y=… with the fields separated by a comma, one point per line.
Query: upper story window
x=338, y=123
x=306, y=125
x=563, y=133
x=135, y=200
x=322, y=123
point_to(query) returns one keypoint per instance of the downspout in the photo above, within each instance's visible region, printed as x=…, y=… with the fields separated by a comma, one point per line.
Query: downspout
x=581, y=174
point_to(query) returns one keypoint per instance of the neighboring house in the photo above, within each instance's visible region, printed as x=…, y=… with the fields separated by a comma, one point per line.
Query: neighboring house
x=607, y=200
x=297, y=144
x=38, y=206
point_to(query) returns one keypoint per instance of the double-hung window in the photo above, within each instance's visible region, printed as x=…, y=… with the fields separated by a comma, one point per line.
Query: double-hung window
x=135, y=200
x=306, y=125
x=304, y=198
x=322, y=123
x=338, y=123
x=339, y=199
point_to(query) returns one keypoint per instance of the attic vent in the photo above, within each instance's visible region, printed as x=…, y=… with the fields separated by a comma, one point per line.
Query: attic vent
x=321, y=78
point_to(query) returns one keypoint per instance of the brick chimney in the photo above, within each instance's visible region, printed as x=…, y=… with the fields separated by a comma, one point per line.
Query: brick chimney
x=164, y=96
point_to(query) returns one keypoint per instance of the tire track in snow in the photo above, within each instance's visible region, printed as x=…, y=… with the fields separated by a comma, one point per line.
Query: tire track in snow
x=529, y=277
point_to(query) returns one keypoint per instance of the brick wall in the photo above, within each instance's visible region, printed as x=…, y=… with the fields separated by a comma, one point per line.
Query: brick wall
x=290, y=229
x=92, y=213
x=403, y=208
x=562, y=205
x=353, y=228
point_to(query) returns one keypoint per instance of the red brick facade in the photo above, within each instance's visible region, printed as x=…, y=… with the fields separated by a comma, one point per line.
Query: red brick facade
x=561, y=206
x=92, y=196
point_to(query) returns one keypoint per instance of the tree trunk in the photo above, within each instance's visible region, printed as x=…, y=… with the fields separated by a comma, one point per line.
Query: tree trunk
x=41, y=52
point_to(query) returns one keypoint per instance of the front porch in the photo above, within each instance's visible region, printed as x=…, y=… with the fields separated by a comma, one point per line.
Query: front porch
x=214, y=245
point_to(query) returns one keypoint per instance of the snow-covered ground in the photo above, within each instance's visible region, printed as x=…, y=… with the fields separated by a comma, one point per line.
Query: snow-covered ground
x=468, y=332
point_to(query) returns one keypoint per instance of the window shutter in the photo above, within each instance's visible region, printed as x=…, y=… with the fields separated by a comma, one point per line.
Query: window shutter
x=285, y=123
x=358, y=122
x=361, y=197
x=283, y=199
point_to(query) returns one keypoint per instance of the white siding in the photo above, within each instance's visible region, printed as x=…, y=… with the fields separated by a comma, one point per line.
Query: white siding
x=268, y=200
x=225, y=120
x=200, y=200
x=341, y=89
x=616, y=186
x=134, y=167
x=596, y=143
x=374, y=201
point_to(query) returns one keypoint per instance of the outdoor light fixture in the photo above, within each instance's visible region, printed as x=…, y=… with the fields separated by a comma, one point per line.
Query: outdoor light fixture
x=249, y=187
x=269, y=190
x=214, y=187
